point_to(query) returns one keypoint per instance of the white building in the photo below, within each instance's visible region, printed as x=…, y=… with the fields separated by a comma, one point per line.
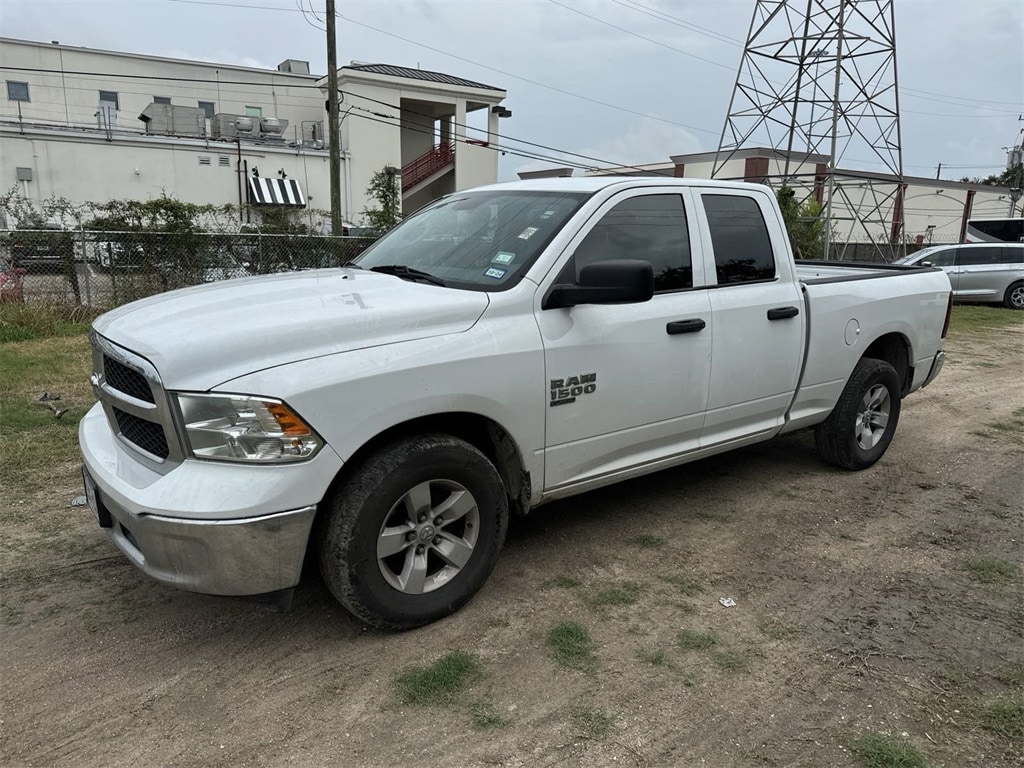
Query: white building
x=92, y=125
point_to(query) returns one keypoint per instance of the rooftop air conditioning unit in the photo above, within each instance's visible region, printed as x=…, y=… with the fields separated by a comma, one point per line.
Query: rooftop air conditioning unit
x=173, y=120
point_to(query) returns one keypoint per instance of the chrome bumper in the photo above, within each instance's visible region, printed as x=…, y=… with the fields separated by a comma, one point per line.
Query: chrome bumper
x=249, y=556
x=937, y=363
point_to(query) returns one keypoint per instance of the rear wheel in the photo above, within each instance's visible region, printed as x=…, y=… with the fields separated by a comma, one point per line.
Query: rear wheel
x=414, y=532
x=858, y=431
x=1014, y=296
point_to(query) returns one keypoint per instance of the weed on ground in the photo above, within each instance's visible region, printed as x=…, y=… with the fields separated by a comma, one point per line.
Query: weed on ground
x=691, y=640
x=626, y=593
x=876, y=750
x=561, y=582
x=1005, y=717
x=483, y=714
x=647, y=541
x=594, y=722
x=572, y=646
x=988, y=569
x=439, y=682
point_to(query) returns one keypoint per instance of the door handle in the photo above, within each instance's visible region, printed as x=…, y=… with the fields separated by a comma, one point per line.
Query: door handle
x=781, y=313
x=685, y=326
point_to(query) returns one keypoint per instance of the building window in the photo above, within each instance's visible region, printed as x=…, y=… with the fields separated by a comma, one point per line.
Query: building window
x=110, y=97
x=161, y=99
x=17, y=91
x=208, y=108
x=254, y=111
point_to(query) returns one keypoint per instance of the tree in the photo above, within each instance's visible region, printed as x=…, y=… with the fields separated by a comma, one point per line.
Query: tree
x=1013, y=176
x=804, y=224
x=384, y=190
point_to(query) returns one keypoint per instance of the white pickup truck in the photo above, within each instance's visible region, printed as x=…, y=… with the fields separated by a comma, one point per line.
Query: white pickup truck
x=501, y=348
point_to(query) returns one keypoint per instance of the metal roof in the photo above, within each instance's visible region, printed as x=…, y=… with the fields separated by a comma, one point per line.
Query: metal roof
x=420, y=74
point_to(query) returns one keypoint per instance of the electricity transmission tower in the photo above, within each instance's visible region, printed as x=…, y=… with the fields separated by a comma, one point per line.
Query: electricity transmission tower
x=817, y=83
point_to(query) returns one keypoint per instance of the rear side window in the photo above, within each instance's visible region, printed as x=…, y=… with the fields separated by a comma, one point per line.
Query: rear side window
x=651, y=228
x=1012, y=254
x=743, y=249
x=987, y=254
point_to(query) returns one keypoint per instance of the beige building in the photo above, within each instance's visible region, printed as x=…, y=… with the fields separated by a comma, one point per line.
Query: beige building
x=934, y=210
x=92, y=125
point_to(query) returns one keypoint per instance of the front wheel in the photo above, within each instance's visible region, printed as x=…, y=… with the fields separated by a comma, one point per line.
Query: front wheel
x=1014, y=296
x=414, y=532
x=861, y=426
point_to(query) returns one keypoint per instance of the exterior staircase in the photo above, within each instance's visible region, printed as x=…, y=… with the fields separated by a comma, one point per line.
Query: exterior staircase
x=438, y=159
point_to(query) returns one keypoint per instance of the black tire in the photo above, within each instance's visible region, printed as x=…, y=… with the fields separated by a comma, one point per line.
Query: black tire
x=1014, y=296
x=372, y=514
x=855, y=435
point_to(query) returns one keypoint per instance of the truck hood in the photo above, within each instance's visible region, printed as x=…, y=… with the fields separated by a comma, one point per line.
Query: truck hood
x=201, y=337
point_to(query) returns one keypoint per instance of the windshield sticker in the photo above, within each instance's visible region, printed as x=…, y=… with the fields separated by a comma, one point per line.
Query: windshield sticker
x=503, y=257
x=548, y=214
x=497, y=274
x=527, y=233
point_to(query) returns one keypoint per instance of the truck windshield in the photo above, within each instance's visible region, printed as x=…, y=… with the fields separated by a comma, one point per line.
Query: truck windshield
x=483, y=241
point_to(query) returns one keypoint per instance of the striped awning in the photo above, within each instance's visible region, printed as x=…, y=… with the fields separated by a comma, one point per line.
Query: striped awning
x=275, y=192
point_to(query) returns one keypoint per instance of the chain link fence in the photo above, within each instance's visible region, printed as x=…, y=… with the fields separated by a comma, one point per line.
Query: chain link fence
x=105, y=269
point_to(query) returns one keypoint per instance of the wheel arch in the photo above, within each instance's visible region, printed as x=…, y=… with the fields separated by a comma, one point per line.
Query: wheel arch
x=484, y=434
x=894, y=348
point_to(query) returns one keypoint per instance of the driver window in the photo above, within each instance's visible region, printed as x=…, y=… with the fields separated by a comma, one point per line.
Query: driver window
x=651, y=228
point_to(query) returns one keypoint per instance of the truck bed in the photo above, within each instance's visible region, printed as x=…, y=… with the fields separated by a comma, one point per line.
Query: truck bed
x=812, y=272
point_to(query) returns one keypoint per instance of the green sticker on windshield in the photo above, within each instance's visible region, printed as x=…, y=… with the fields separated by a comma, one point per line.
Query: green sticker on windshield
x=503, y=257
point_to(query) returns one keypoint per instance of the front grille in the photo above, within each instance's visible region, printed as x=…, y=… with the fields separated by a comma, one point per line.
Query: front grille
x=145, y=434
x=127, y=380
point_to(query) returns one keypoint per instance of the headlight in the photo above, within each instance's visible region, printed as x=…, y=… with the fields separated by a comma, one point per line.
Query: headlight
x=243, y=428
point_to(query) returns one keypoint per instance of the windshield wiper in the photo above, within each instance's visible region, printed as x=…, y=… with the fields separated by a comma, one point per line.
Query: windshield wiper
x=408, y=273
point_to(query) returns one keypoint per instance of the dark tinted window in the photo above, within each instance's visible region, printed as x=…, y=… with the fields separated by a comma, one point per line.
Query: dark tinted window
x=943, y=258
x=17, y=91
x=743, y=250
x=1012, y=254
x=651, y=228
x=111, y=96
x=986, y=254
x=209, y=109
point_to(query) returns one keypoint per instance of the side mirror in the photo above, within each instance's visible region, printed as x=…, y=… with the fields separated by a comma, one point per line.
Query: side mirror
x=619, y=281
x=925, y=264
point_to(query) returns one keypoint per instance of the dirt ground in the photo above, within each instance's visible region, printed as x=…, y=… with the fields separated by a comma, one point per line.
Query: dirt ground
x=859, y=608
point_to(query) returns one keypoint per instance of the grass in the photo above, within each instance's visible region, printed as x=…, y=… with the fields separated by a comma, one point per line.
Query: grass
x=1005, y=717
x=731, y=661
x=1013, y=424
x=684, y=584
x=967, y=318
x=33, y=441
x=647, y=541
x=41, y=320
x=656, y=658
x=483, y=715
x=988, y=569
x=594, y=722
x=572, y=646
x=626, y=593
x=441, y=681
x=561, y=582
x=691, y=640
x=876, y=750
x=1012, y=675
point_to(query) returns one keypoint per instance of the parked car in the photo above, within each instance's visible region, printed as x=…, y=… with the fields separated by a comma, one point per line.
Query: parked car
x=984, y=272
x=12, y=284
x=501, y=348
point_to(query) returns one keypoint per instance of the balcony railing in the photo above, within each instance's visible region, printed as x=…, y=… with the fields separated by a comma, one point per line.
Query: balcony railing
x=427, y=164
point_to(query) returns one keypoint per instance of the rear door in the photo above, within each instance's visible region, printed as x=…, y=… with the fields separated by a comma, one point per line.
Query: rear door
x=982, y=275
x=757, y=314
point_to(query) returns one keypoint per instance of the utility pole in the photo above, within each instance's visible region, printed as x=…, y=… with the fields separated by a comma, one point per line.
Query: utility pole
x=334, y=139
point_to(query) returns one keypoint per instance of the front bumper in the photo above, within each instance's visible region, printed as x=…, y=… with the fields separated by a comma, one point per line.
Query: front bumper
x=217, y=528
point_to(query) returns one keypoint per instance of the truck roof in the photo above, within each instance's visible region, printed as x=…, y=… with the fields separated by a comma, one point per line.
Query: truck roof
x=596, y=183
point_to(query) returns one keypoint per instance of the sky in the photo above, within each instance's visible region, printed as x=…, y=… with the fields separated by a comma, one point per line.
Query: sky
x=620, y=81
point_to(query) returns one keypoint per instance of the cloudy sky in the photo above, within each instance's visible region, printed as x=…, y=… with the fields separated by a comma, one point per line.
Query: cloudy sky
x=622, y=81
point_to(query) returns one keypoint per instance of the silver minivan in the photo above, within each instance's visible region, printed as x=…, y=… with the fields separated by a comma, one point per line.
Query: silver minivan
x=985, y=272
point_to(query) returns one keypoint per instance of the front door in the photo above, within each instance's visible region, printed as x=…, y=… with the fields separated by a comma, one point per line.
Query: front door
x=628, y=383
